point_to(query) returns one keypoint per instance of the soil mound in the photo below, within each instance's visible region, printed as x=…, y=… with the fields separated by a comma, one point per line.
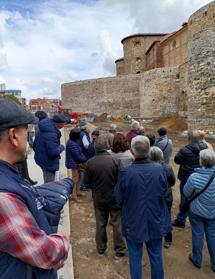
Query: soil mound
x=172, y=124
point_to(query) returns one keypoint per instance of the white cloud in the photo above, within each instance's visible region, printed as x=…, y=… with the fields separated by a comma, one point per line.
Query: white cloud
x=50, y=42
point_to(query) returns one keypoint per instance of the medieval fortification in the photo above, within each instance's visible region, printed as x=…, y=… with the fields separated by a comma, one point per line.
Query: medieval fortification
x=160, y=75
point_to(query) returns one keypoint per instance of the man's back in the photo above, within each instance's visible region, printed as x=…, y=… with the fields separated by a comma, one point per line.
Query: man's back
x=101, y=174
x=141, y=190
x=188, y=159
x=165, y=144
x=47, y=145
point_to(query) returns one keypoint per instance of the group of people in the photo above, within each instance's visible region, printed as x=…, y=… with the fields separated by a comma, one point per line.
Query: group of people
x=131, y=180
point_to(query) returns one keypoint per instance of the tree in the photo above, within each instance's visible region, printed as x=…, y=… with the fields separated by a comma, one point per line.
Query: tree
x=11, y=97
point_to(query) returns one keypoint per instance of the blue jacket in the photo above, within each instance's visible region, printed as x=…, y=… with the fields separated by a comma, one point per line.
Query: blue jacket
x=89, y=152
x=141, y=190
x=47, y=145
x=11, y=181
x=55, y=195
x=204, y=204
x=74, y=155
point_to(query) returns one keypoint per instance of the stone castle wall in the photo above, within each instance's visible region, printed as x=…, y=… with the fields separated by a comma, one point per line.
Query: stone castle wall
x=174, y=49
x=201, y=68
x=185, y=90
x=134, y=49
x=116, y=96
x=158, y=93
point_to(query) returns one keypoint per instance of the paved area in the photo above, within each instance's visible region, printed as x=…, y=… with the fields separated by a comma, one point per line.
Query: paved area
x=36, y=174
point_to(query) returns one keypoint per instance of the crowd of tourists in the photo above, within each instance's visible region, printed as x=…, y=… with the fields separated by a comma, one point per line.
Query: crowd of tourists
x=130, y=177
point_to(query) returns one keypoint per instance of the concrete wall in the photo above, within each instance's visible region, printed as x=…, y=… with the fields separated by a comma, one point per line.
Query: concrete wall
x=158, y=93
x=117, y=96
x=201, y=69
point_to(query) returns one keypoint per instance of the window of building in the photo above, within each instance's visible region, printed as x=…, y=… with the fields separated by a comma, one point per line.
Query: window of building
x=137, y=42
x=138, y=59
x=174, y=43
x=137, y=72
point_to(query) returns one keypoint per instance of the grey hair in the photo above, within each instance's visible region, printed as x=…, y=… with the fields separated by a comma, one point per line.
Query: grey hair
x=207, y=158
x=101, y=143
x=156, y=154
x=193, y=136
x=140, y=147
x=135, y=125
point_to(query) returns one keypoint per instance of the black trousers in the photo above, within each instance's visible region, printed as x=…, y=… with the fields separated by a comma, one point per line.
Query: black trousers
x=102, y=216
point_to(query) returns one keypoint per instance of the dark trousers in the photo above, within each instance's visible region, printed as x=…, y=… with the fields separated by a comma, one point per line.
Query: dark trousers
x=182, y=216
x=102, y=216
x=168, y=237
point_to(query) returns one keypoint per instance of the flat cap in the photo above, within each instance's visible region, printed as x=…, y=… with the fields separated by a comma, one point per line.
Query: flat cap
x=82, y=123
x=13, y=115
x=61, y=118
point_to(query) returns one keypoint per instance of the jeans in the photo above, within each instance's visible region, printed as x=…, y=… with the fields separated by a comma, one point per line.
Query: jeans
x=181, y=216
x=102, y=216
x=48, y=176
x=200, y=227
x=154, y=249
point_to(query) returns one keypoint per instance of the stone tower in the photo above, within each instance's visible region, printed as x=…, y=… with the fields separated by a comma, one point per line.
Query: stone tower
x=134, y=48
x=201, y=69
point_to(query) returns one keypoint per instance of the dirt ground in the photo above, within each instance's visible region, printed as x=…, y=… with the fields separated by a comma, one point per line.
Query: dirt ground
x=89, y=265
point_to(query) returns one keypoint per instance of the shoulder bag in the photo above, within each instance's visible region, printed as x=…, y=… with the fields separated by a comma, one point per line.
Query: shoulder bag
x=185, y=204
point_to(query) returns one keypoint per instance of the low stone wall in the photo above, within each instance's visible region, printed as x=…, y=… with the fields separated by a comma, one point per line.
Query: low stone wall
x=117, y=96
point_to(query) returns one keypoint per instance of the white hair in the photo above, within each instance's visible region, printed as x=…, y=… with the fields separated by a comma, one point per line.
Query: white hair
x=140, y=146
x=207, y=158
x=156, y=154
x=135, y=125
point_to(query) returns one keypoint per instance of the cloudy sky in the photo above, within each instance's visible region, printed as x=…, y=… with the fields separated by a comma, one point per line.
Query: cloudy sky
x=44, y=43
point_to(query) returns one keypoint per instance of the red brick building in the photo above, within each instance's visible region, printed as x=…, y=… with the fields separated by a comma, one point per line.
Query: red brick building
x=50, y=106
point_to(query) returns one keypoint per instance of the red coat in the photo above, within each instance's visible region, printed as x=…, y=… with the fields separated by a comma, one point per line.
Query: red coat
x=131, y=134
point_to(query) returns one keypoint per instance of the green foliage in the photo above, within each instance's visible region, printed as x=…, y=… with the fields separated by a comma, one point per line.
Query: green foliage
x=11, y=97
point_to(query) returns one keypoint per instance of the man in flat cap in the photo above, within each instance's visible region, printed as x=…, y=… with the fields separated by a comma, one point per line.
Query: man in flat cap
x=28, y=246
x=47, y=146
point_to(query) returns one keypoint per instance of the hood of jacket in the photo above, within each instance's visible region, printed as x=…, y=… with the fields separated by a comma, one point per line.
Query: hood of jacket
x=47, y=125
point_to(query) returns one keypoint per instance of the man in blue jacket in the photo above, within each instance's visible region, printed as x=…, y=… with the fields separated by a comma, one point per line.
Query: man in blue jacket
x=47, y=145
x=141, y=191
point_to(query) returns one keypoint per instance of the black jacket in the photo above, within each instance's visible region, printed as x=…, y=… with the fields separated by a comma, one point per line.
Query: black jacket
x=188, y=159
